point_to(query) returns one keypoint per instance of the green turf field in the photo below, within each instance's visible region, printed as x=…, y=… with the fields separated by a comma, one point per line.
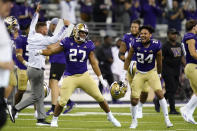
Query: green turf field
x=93, y=119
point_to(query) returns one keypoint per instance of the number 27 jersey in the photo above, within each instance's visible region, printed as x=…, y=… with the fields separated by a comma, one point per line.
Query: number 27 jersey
x=76, y=55
x=145, y=57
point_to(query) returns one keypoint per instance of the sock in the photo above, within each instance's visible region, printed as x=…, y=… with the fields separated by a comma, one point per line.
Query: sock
x=55, y=118
x=134, y=112
x=191, y=105
x=6, y=100
x=53, y=107
x=164, y=107
x=140, y=105
x=109, y=114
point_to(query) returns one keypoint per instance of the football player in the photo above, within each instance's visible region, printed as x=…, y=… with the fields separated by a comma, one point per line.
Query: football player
x=128, y=39
x=147, y=50
x=190, y=47
x=78, y=49
x=56, y=71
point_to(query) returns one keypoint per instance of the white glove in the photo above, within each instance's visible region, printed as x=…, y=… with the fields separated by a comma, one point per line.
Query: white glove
x=104, y=83
x=38, y=52
x=123, y=76
x=25, y=63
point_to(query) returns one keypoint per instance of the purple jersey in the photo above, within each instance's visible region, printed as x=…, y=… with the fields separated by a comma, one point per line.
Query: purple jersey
x=21, y=43
x=129, y=40
x=188, y=36
x=58, y=58
x=146, y=56
x=76, y=55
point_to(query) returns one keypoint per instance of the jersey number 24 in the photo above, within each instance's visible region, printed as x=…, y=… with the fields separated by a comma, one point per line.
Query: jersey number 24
x=142, y=59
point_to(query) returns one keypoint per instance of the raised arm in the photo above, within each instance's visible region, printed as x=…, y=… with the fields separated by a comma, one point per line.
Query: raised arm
x=122, y=51
x=128, y=59
x=34, y=20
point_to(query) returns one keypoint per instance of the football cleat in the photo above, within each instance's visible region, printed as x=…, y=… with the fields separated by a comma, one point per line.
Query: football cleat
x=114, y=121
x=42, y=122
x=118, y=89
x=191, y=119
x=184, y=114
x=133, y=124
x=70, y=106
x=54, y=123
x=168, y=123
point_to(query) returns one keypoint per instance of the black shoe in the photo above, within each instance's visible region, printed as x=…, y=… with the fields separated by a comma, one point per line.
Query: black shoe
x=42, y=122
x=12, y=114
x=174, y=112
x=157, y=105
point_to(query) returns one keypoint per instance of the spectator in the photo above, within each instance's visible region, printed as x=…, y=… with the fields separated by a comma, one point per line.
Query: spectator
x=190, y=12
x=68, y=10
x=100, y=11
x=150, y=13
x=134, y=10
x=175, y=16
x=86, y=10
x=172, y=58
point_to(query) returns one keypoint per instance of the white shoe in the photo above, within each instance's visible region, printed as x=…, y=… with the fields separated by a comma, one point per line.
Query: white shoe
x=35, y=114
x=114, y=121
x=168, y=123
x=139, y=113
x=191, y=119
x=133, y=124
x=184, y=114
x=54, y=123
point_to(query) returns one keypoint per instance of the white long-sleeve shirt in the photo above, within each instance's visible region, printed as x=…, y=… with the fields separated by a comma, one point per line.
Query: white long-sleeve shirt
x=37, y=41
x=5, y=54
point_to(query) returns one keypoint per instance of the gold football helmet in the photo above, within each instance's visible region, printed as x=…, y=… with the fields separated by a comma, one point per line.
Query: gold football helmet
x=46, y=89
x=12, y=23
x=118, y=89
x=80, y=28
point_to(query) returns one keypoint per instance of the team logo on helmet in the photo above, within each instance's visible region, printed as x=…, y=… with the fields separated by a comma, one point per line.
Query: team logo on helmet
x=118, y=89
x=80, y=28
x=11, y=23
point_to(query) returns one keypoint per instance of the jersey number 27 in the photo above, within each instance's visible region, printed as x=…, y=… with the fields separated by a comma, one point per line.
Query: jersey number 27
x=73, y=54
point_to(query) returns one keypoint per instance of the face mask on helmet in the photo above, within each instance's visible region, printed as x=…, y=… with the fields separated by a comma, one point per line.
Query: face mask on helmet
x=11, y=23
x=81, y=32
x=118, y=89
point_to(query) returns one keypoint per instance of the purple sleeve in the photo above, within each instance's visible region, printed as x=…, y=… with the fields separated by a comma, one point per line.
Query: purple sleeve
x=158, y=46
x=64, y=42
x=124, y=38
x=189, y=36
x=92, y=46
x=18, y=43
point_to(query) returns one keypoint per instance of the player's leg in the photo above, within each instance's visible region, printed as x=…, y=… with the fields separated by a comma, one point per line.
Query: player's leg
x=156, y=85
x=188, y=109
x=68, y=86
x=92, y=89
x=136, y=87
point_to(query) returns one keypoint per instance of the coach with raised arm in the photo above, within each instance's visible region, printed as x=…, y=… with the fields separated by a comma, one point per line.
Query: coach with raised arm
x=38, y=39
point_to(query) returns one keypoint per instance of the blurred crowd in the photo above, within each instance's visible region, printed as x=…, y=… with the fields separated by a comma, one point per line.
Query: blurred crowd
x=151, y=12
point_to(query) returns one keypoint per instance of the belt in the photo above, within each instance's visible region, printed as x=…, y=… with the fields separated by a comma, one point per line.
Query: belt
x=38, y=68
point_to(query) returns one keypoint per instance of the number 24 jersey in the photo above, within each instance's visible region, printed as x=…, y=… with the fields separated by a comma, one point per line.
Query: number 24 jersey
x=145, y=57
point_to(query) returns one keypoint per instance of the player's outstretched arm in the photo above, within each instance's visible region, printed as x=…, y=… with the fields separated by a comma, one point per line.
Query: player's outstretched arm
x=96, y=68
x=50, y=51
x=192, y=48
x=122, y=51
x=128, y=59
x=159, y=61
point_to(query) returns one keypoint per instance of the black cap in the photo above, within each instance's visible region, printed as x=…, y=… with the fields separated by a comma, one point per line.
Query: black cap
x=172, y=31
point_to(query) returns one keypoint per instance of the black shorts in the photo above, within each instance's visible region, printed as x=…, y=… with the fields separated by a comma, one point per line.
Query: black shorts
x=56, y=71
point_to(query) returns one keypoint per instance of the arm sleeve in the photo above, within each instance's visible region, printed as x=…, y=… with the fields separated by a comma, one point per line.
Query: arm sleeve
x=63, y=32
x=33, y=23
x=18, y=43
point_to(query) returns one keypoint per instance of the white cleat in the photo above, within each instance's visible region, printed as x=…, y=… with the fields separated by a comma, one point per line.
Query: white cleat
x=168, y=123
x=133, y=124
x=114, y=121
x=184, y=114
x=139, y=113
x=191, y=120
x=54, y=123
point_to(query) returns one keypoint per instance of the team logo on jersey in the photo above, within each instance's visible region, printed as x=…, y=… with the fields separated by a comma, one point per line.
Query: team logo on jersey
x=145, y=51
x=85, y=47
x=71, y=44
x=131, y=38
x=151, y=51
x=138, y=48
x=78, y=46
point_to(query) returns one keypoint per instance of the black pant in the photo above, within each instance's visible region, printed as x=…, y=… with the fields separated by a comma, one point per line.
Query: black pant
x=171, y=85
x=3, y=115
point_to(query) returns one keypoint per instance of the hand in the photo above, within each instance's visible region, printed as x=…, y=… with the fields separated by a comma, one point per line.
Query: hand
x=104, y=83
x=38, y=52
x=66, y=22
x=38, y=8
x=123, y=76
x=25, y=63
